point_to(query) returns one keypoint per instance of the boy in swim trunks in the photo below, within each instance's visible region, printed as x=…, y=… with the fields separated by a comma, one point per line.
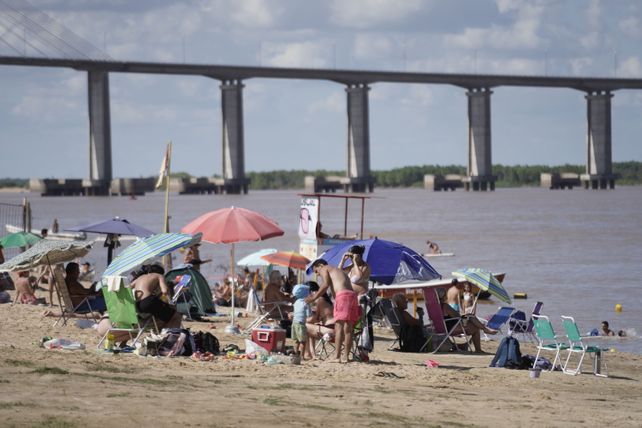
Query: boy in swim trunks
x=300, y=316
x=346, y=304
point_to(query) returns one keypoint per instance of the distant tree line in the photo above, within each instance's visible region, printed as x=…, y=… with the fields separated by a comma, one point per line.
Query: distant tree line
x=629, y=173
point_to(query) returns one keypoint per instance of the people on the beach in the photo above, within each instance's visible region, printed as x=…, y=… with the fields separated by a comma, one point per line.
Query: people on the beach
x=433, y=248
x=605, y=330
x=300, y=315
x=223, y=293
x=55, y=226
x=79, y=293
x=411, y=330
x=346, y=305
x=274, y=297
x=359, y=273
x=152, y=297
x=452, y=314
x=86, y=272
x=44, y=232
x=1, y=255
x=321, y=323
x=24, y=290
x=468, y=300
x=193, y=257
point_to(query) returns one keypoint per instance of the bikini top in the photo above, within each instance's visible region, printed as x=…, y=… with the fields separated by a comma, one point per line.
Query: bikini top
x=358, y=279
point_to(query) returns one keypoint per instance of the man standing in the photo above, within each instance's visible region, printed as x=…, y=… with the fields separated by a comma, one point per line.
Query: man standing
x=346, y=305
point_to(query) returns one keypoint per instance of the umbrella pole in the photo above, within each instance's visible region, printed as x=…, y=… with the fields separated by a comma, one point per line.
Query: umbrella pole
x=232, y=328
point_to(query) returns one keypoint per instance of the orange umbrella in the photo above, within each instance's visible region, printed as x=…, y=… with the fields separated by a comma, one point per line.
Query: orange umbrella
x=288, y=259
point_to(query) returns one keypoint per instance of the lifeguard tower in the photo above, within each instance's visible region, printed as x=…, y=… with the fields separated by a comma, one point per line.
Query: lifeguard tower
x=313, y=240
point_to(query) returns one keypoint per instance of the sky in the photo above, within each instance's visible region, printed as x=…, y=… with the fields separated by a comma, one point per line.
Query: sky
x=295, y=124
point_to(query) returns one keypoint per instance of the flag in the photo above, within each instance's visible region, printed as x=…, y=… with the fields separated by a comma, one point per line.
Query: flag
x=164, y=166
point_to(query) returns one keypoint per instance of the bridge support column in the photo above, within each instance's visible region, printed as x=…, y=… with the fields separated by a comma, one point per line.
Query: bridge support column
x=234, y=181
x=480, y=167
x=100, y=171
x=599, y=173
x=359, y=178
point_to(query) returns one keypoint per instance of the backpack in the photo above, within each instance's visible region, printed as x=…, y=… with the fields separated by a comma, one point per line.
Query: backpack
x=508, y=355
x=176, y=342
x=206, y=342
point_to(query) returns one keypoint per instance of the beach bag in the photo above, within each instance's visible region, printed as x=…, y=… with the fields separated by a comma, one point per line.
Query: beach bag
x=176, y=342
x=508, y=355
x=206, y=342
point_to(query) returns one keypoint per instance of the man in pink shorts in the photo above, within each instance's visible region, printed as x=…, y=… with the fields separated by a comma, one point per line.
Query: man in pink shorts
x=346, y=305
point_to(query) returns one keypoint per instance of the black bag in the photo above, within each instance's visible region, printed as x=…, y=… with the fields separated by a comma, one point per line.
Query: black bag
x=508, y=355
x=206, y=342
x=177, y=342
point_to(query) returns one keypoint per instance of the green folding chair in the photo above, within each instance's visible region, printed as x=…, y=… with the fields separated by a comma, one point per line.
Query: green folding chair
x=121, y=308
x=547, y=340
x=576, y=346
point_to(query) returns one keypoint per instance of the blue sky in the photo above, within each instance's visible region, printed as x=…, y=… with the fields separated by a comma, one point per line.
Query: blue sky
x=302, y=124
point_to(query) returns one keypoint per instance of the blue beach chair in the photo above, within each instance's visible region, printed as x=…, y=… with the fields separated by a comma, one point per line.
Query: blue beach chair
x=499, y=319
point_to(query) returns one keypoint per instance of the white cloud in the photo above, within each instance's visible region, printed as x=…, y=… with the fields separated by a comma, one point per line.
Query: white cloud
x=299, y=54
x=580, y=66
x=419, y=95
x=631, y=26
x=593, y=15
x=630, y=67
x=370, y=13
x=255, y=13
x=523, y=33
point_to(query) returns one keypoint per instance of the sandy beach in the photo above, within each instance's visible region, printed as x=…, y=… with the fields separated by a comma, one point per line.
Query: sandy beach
x=41, y=387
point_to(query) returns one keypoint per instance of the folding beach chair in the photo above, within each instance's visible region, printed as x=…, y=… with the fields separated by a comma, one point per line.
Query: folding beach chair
x=121, y=308
x=547, y=340
x=273, y=311
x=576, y=346
x=180, y=296
x=326, y=345
x=436, y=315
x=67, y=307
x=525, y=327
x=499, y=319
x=392, y=319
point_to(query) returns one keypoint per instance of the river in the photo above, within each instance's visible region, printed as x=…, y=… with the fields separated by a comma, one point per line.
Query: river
x=578, y=251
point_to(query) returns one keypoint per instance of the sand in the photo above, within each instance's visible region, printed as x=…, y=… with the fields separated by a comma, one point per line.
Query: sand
x=40, y=387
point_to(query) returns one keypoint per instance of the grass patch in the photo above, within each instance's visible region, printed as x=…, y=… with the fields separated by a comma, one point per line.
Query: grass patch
x=118, y=394
x=50, y=370
x=11, y=404
x=20, y=363
x=320, y=407
x=273, y=401
x=108, y=368
x=55, y=422
x=148, y=381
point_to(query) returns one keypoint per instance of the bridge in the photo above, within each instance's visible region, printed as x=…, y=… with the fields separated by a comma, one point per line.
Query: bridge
x=478, y=89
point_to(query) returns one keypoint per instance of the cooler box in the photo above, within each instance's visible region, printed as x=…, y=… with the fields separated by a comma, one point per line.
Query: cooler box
x=270, y=337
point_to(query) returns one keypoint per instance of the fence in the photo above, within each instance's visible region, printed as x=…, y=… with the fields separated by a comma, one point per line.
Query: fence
x=16, y=215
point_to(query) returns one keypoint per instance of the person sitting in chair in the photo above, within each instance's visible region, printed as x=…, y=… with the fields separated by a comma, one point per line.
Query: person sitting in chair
x=411, y=335
x=78, y=293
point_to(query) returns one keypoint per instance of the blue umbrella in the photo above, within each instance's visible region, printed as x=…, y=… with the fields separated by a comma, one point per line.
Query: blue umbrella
x=148, y=248
x=390, y=262
x=113, y=228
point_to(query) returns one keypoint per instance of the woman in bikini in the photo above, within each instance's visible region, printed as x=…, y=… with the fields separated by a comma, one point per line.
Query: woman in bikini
x=359, y=273
x=322, y=320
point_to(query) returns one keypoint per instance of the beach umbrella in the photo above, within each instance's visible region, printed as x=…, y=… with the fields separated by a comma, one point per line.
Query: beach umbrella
x=231, y=225
x=390, y=262
x=46, y=252
x=19, y=239
x=484, y=280
x=255, y=259
x=287, y=259
x=148, y=248
x=113, y=228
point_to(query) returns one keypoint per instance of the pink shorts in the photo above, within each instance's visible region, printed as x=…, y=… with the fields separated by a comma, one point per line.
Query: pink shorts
x=346, y=306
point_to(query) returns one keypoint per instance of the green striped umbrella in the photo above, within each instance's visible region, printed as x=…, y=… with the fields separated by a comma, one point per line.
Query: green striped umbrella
x=485, y=280
x=148, y=248
x=19, y=239
x=45, y=252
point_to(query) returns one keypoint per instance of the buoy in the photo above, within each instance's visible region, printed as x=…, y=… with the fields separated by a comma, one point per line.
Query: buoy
x=618, y=308
x=520, y=295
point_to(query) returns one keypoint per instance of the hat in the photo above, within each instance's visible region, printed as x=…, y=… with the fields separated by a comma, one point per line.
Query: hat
x=301, y=291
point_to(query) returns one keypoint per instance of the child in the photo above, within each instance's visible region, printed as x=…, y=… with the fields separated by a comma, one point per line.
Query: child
x=469, y=300
x=299, y=316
